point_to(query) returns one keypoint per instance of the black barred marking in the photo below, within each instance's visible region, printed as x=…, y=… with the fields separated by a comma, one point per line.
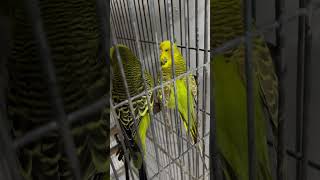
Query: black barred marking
x=132, y=69
x=226, y=21
x=72, y=31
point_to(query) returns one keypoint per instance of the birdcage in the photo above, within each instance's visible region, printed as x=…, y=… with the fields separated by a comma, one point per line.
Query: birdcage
x=142, y=25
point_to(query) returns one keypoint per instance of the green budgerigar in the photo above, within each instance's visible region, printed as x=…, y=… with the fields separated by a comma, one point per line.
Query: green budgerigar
x=72, y=31
x=228, y=72
x=132, y=69
x=181, y=84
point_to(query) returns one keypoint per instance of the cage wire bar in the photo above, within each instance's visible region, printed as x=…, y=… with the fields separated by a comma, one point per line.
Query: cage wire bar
x=249, y=89
x=141, y=25
x=280, y=40
x=62, y=120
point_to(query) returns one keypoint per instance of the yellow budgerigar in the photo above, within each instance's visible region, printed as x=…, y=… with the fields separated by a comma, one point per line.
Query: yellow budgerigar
x=181, y=85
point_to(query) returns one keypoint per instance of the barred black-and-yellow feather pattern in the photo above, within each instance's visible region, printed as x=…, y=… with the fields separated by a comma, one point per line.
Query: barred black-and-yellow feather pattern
x=72, y=31
x=132, y=69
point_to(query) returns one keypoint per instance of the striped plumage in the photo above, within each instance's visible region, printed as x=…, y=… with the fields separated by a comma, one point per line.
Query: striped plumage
x=132, y=69
x=180, y=68
x=72, y=31
x=226, y=24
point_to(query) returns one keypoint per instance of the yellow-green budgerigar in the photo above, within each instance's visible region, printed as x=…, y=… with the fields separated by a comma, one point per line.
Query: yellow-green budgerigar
x=181, y=84
x=228, y=72
x=132, y=69
x=72, y=31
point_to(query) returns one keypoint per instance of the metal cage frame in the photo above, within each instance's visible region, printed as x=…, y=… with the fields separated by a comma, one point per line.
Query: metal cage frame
x=130, y=11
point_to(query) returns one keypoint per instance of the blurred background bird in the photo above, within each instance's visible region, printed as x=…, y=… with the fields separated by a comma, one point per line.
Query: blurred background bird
x=229, y=79
x=72, y=31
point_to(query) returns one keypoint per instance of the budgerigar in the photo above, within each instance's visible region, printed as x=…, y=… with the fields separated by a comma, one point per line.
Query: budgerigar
x=72, y=31
x=132, y=69
x=229, y=81
x=181, y=84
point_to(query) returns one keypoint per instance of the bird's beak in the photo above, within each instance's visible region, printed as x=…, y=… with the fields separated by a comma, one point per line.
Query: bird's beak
x=163, y=61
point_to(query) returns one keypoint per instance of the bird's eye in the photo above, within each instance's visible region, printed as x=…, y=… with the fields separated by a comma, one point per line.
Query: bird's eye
x=166, y=50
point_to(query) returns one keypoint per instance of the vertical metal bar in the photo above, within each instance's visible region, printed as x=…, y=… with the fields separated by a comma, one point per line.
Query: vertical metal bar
x=194, y=152
x=300, y=122
x=134, y=23
x=152, y=60
x=161, y=31
x=143, y=31
x=197, y=74
x=180, y=13
x=307, y=97
x=117, y=24
x=166, y=18
x=103, y=11
x=123, y=26
x=114, y=20
x=249, y=89
x=205, y=77
x=300, y=92
x=127, y=17
x=187, y=79
x=114, y=170
x=215, y=172
x=55, y=98
x=254, y=10
x=154, y=45
x=280, y=8
x=171, y=34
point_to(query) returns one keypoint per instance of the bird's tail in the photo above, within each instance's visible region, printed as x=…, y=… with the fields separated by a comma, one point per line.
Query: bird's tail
x=126, y=169
x=142, y=173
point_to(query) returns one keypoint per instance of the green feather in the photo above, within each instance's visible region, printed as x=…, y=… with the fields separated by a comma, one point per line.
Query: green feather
x=230, y=103
x=230, y=96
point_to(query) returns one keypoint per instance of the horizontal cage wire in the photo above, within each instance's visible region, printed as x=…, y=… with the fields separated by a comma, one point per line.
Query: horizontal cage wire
x=178, y=157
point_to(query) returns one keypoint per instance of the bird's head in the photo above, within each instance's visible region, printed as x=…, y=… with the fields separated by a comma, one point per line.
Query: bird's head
x=165, y=52
x=121, y=49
